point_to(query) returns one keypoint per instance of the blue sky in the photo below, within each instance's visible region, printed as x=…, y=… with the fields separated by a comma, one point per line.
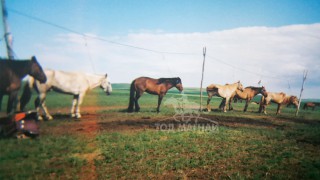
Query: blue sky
x=114, y=17
x=241, y=36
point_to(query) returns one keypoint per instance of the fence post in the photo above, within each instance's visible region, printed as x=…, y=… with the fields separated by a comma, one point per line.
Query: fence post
x=303, y=80
x=204, y=59
x=7, y=35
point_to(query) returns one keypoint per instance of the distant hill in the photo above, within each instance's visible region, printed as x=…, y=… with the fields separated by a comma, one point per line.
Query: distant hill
x=120, y=86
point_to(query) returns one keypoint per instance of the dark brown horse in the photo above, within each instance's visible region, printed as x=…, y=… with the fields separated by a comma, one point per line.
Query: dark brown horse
x=152, y=86
x=311, y=105
x=11, y=73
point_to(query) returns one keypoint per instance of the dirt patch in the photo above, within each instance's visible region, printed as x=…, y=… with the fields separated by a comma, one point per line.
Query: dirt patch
x=67, y=125
x=93, y=121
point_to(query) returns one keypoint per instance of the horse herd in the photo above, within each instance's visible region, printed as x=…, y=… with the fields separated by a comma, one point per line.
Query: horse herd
x=78, y=84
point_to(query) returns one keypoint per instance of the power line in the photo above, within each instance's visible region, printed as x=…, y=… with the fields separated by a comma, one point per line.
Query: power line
x=94, y=37
x=242, y=69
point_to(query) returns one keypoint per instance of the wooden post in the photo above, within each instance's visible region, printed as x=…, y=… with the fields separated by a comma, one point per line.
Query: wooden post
x=7, y=34
x=305, y=73
x=204, y=59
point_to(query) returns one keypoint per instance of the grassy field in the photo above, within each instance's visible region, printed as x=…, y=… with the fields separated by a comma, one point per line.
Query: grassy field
x=108, y=143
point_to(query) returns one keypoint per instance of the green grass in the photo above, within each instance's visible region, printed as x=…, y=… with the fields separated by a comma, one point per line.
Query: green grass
x=287, y=149
x=229, y=153
x=47, y=156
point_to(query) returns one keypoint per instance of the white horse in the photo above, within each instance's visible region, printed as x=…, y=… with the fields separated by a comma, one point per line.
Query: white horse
x=224, y=91
x=73, y=83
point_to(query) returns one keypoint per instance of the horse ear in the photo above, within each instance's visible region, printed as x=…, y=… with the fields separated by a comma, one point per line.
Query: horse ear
x=106, y=75
x=33, y=58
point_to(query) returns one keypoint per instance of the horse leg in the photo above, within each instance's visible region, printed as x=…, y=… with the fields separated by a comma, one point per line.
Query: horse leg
x=44, y=107
x=278, y=109
x=41, y=104
x=246, y=106
x=74, y=103
x=37, y=106
x=159, y=102
x=262, y=106
x=11, y=106
x=225, y=105
x=230, y=105
x=136, y=104
x=79, y=102
x=223, y=102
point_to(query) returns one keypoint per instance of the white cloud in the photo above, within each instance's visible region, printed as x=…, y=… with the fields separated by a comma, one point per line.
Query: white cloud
x=274, y=55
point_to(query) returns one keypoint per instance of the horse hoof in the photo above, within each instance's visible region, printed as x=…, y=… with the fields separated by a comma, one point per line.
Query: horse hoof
x=49, y=118
x=78, y=116
x=73, y=115
x=40, y=118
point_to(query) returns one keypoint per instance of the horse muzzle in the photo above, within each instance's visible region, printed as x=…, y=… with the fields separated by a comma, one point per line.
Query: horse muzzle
x=43, y=79
x=179, y=87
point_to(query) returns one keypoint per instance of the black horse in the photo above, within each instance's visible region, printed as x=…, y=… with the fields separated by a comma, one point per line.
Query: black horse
x=11, y=74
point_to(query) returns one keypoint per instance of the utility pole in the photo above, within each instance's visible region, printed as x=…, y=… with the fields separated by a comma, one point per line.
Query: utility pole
x=305, y=73
x=7, y=34
x=204, y=60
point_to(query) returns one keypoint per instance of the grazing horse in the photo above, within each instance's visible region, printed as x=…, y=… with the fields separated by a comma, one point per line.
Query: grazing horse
x=247, y=94
x=152, y=86
x=224, y=91
x=73, y=83
x=11, y=73
x=278, y=98
x=311, y=105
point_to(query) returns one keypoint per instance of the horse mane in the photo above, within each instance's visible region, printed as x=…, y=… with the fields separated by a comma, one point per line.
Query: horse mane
x=253, y=87
x=283, y=94
x=17, y=66
x=173, y=81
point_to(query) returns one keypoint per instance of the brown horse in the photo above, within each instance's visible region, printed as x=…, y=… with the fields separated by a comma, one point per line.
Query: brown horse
x=11, y=73
x=224, y=91
x=311, y=105
x=247, y=94
x=278, y=98
x=152, y=86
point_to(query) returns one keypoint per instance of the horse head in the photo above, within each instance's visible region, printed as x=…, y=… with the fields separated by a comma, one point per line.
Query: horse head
x=263, y=91
x=294, y=100
x=240, y=86
x=36, y=70
x=178, y=84
x=106, y=85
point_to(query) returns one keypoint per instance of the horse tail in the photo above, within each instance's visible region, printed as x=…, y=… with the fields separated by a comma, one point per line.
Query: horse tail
x=132, y=93
x=26, y=95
